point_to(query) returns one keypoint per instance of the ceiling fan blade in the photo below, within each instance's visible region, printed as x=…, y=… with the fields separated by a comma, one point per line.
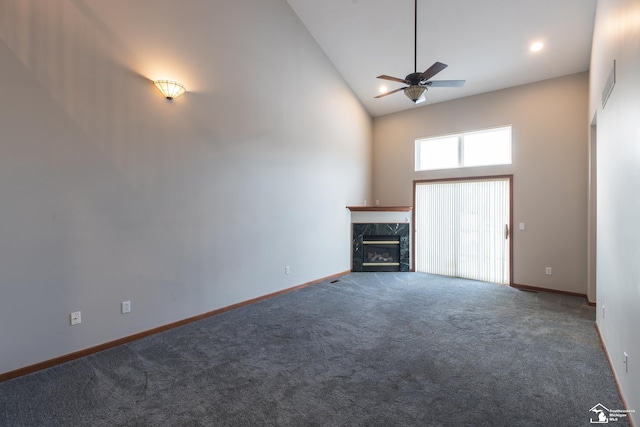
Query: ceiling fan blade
x=433, y=70
x=389, y=93
x=445, y=83
x=393, y=79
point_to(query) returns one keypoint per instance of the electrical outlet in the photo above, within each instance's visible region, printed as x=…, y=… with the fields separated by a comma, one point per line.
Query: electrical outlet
x=287, y=269
x=75, y=318
x=126, y=307
x=522, y=226
x=548, y=271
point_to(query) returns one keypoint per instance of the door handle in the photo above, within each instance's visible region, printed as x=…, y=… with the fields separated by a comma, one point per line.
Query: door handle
x=506, y=231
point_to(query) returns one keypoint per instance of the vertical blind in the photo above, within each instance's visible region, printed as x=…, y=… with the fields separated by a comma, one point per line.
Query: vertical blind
x=461, y=229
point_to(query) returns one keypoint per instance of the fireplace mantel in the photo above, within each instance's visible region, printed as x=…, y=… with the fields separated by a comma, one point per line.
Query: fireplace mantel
x=380, y=208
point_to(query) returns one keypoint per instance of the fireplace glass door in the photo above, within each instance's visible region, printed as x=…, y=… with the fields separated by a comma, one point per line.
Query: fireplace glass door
x=381, y=253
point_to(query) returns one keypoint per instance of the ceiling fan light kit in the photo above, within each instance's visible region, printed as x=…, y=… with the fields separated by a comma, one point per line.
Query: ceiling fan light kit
x=414, y=92
x=417, y=83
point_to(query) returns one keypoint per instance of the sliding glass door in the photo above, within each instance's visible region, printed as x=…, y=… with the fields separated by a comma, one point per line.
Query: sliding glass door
x=462, y=228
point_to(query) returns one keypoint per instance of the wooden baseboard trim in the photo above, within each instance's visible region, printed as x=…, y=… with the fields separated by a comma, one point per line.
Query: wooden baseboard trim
x=553, y=291
x=124, y=340
x=613, y=371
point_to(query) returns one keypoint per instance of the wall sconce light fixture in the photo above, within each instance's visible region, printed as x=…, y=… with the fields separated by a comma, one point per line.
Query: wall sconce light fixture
x=169, y=89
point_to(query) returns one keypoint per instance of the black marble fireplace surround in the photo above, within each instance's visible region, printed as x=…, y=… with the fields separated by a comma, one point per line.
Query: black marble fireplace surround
x=362, y=231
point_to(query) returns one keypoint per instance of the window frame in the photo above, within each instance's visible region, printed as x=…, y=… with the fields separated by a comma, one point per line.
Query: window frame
x=418, y=167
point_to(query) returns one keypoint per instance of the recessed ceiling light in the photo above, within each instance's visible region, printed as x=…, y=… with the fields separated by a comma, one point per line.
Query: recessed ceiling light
x=537, y=46
x=382, y=89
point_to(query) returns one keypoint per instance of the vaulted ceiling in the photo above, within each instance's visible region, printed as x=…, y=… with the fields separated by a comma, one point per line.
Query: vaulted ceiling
x=485, y=42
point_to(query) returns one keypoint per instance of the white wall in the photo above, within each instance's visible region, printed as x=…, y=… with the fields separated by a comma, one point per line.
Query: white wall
x=617, y=37
x=550, y=143
x=111, y=193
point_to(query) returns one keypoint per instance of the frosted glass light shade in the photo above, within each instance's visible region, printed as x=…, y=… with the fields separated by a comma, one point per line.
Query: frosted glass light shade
x=169, y=89
x=414, y=92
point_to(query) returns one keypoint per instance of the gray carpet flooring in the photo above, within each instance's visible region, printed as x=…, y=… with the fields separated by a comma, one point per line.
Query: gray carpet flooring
x=372, y=349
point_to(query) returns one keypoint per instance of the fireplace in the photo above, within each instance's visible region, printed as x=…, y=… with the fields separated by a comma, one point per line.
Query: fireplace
x=380, y=247
x=381, y=253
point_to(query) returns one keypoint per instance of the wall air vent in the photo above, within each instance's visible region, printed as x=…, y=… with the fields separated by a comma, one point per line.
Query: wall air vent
x=609, y=84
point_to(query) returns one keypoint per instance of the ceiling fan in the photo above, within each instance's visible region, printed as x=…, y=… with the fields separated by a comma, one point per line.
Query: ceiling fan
x=418, y=83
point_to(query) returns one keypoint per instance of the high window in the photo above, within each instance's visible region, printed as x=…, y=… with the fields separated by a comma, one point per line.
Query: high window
x=481, y=148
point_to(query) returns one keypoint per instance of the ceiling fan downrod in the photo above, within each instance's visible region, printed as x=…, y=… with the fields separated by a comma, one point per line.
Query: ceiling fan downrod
x=415, y=36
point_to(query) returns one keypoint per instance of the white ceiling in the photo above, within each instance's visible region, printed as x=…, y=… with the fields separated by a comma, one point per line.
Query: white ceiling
x=485, y=42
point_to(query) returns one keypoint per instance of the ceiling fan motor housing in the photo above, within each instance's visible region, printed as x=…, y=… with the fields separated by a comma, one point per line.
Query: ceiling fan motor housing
x=414, y=79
